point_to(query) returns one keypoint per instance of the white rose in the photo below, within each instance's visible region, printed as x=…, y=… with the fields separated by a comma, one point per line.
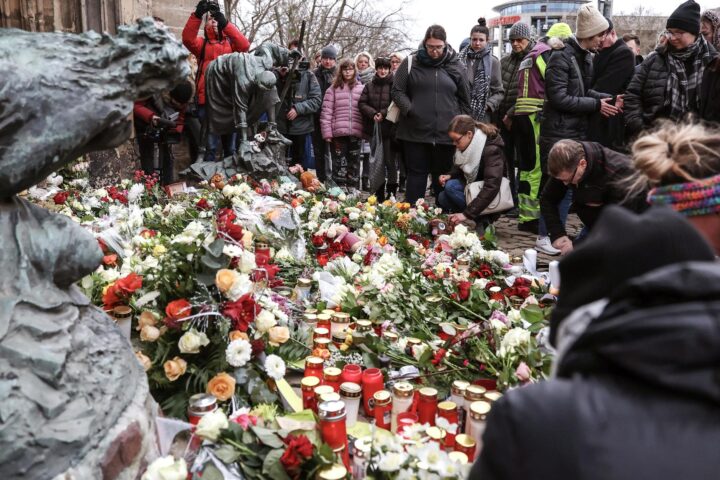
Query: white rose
x=514, y=338
x=242, y=285
x=166, y=468
x=210, y=425
x=247, y=262
x=265, y=321
x=354, y=216
x=192, y=340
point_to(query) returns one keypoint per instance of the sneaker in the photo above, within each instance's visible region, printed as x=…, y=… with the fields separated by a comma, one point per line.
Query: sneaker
x=544, y=245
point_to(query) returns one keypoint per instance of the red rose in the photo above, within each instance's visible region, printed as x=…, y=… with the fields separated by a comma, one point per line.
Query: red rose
x=291, y=462
x=60, y=198
x=258, y=347
x=523, y=292
x=484, y=271
x=521, y=282
x=130, y=283
x=202, y=204
x=318, y=240
x=464, y=289
x=178, y=309
x=110, y=259
x=301, y=445
x=122, y=289
x=242, y=312
x=225, y=219
x=439, y=355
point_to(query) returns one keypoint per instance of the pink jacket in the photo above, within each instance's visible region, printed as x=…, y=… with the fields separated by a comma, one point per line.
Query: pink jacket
x=340, y=115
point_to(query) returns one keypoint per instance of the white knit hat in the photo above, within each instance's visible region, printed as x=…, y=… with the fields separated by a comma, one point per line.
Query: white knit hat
x=590, y=22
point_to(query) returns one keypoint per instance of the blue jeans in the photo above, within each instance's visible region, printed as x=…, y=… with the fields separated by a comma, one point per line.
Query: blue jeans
x=229, y=142
x=452, y=198
x=564, y=208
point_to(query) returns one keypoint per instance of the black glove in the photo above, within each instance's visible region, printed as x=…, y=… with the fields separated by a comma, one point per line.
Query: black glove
x=201, y=9
x=220, y=19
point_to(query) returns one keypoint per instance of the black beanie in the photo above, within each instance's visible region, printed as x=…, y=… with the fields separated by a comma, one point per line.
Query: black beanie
x=621, y=246
x=183, y=92
x=686, y=17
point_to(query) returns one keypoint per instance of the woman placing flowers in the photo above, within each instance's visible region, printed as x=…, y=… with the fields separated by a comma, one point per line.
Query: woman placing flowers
x=478, y=156
x=341, y=125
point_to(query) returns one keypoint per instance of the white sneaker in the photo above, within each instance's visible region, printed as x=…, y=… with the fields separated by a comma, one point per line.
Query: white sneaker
x=545, y=245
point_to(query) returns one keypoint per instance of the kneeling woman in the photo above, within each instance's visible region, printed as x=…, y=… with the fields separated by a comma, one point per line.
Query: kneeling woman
x=479, y=156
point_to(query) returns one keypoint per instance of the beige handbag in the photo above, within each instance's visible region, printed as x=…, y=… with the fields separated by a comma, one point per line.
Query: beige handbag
x=502, y=202
x=393, y=112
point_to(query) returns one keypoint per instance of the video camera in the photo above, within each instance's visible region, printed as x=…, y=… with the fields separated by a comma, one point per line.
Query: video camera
x=164, y=130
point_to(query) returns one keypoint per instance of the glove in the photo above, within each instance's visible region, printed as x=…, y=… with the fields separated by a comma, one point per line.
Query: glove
x=220, y=19
x=201, y=8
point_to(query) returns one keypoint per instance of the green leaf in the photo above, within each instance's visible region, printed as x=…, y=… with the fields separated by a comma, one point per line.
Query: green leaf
x=532, y=314
x=227, y=454
x=268, y=437
x=210, y=472
x=272, y=468
x=216, y=247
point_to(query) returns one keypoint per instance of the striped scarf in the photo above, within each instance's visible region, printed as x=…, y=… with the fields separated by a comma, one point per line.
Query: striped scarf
x=691, y=198
x=680, y=87
x=481, y=81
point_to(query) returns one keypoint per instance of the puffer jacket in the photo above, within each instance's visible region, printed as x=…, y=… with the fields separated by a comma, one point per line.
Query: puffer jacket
x=509, y=66
x=375, y=99
x=340, y=115
x=636, y=396
x=231, y=40
x=600, y=185
x=569, y=99
x=429, y=97
x=492, y=170
x=304, y=97
x=645, y=97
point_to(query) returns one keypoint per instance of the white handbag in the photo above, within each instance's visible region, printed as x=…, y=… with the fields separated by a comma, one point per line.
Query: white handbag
x=393, y=112
x=502, y=202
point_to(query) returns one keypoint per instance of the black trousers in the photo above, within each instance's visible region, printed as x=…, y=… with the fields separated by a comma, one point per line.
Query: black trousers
x=508, y=137
x=319, y=146
x=423, y=159
x=165, y=159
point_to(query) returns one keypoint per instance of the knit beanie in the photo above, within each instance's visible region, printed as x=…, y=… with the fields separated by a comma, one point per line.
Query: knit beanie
x=560, y=30
x=328, y=52
x=624, y=245
x=590, y=22
x=686, y=17
x=520, y=30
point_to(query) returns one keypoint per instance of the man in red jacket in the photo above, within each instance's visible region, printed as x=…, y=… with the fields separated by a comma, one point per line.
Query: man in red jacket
x=221, y=37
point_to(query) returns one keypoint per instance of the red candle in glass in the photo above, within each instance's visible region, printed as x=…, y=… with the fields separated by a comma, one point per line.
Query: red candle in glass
x=383, y=409
x=465, y=444
x=331, y=376
x=427, y=406
x=405, y=420
x=322, y=256
x=262, y=253
x=323, y=321
x=314, y=367
x=352, y=373
x=332, y=425
x=372, y=381
x=449, y=412
x=321, y=332
x=307, y=385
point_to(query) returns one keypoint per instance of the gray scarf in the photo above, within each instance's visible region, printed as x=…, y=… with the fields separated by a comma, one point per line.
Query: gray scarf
x=680, y=86
x=481, y=80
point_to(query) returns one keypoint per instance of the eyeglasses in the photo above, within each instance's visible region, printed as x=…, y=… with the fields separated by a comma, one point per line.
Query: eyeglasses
x=572, y=177
x=435, y=48
x=516, y=40
x=679, y=34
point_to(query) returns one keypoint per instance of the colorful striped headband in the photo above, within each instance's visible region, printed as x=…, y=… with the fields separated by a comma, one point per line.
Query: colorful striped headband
x=691, y=198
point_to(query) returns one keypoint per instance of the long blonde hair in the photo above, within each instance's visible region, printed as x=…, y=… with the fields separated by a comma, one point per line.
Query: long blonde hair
x=675, y=153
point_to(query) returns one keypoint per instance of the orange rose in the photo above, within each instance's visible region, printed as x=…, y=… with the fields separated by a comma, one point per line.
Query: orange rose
x=146, y=319
x=110, y=260
x=144, y=360
x=224, y=279
x=175, y=368
x=278, y=335
x=238, y=335
x=178, y=309
x=222, y=386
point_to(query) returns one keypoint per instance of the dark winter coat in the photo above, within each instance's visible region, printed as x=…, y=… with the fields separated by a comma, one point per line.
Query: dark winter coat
x=229, y=41
x=429, y=97
x=304, y=95
x=569, y=98
x=325, y=78
x=597, y=188
x=376, y=99
x=613, y=68
x=509, y=66
x=492, y=170
x=637, y=394
x=645, y=97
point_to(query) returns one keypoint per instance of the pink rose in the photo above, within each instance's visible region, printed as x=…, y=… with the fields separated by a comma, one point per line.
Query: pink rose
x=523, y=372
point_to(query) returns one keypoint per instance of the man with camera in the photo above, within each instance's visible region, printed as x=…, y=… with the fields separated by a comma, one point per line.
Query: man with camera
x=221, y=37
x=159, y=120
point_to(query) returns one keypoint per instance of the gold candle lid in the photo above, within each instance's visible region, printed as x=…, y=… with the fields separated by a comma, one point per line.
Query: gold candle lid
x=465, y=440
x=479, y=409
x=493, y=396
x=309, y=382
x=474, y=392
x=321, y=331
x=392, y=336
x=324, y=317
x=122, y=312
x=311, y=310
x=320, y=390
x=436, y=433
x=304, y=282
x=403, y=389
x=330, y=397
x=332, y=372
x=341, y=317
x=413, y=341
x=382, y=397
x=334, y=472
x=310, y=317
x=447, y=406
x=329, y=311
x=321, y=342
x=458, y=457
x=314, y=361
x=350, y=390
x=363, y=325
x=459, y=386
x=428, y=392
x=362, y=446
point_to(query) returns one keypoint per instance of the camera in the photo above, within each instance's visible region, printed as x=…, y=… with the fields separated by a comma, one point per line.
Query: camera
x=213, y=6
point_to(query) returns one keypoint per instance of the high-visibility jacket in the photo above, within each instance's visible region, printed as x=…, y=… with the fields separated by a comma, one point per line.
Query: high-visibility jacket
x=531, y=80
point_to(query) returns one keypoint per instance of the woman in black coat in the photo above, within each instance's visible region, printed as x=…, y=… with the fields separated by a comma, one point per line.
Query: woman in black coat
x=430, y=88
x=635, y=393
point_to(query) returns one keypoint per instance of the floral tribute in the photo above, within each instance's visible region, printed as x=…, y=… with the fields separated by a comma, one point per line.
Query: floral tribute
x=212, y=280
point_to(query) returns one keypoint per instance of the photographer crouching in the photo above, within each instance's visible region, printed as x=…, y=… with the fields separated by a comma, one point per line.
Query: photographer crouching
x=159, y=120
